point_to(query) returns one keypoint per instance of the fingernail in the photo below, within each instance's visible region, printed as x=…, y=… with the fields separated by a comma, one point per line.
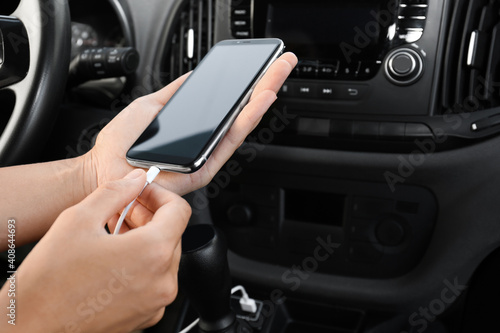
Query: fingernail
x=135, y=174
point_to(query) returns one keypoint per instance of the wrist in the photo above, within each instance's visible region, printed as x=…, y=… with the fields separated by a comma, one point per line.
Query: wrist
x=88, y=174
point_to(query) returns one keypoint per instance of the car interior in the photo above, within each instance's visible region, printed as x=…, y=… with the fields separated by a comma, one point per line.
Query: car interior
x=366, y=201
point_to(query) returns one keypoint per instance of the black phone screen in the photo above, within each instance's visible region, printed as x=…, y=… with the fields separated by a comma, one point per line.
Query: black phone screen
x=194, y=114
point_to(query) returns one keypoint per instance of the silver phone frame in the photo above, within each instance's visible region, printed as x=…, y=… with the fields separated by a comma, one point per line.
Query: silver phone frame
x=198, y=163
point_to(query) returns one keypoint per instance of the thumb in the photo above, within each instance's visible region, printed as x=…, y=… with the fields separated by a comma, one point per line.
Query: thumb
x=128, y=125
x=112, y=197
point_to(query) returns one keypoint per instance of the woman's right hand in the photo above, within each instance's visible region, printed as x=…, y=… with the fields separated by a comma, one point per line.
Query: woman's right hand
x=79, y=278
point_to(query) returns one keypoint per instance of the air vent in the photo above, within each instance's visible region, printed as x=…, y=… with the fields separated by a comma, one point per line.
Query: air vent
x=192, y=36
x=472, y=64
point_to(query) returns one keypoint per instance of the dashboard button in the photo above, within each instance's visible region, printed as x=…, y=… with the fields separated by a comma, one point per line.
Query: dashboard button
x=403, y=64
x=308, y=71
x=286, y=89
x=351, y=92
x=408, y=24
x=241, y=24
x=244, y=11
x=326, y=71
x=326, y=91
x=241, y=33
x=414, y=2
x=305, y=90
x=367, y=70
x=413, y=11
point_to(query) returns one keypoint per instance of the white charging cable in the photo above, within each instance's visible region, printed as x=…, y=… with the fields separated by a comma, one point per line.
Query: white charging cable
x=247, y=304
x=150, y=176
x=188, y=328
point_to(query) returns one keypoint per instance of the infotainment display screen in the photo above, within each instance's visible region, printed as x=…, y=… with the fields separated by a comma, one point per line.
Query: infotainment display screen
x=325, y=30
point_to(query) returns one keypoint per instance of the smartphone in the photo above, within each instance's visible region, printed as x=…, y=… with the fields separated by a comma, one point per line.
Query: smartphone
x=189, y=127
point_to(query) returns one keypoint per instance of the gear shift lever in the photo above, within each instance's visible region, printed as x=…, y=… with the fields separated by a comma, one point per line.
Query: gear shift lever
x=204, y=277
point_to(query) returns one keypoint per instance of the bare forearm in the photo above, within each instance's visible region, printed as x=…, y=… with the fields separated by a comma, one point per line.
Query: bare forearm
x=34, y=195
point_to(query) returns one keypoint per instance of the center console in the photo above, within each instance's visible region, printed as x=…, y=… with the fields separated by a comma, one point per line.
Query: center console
x=366, y=77
x=362, y=57
x=327, y=200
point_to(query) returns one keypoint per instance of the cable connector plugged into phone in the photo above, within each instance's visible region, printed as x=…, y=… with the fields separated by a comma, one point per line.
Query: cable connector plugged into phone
x=150, y=176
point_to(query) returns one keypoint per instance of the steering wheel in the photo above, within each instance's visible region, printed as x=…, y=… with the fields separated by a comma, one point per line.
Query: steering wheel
x=35, y=46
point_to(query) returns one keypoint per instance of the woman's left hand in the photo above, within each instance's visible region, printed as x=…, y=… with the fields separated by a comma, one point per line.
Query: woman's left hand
x=106, y=161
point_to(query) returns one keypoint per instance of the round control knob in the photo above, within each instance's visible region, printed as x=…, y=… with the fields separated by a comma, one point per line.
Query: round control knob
x=404, y=66
x=390, y=232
